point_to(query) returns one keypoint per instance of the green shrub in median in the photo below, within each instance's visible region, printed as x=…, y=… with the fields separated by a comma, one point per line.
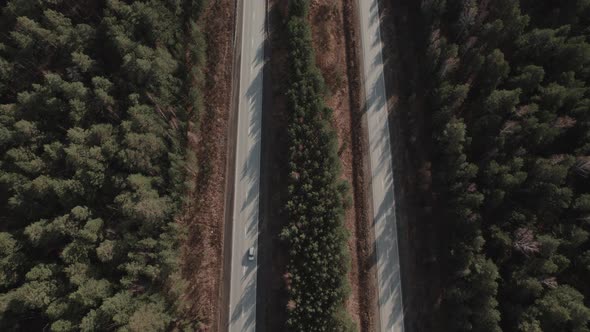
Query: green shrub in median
x=315, y=235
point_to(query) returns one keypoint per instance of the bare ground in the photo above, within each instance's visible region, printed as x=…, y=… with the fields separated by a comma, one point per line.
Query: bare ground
x=201, y=249
x=335, y=41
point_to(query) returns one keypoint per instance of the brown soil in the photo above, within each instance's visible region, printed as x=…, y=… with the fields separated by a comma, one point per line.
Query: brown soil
x=411, y=145
x=201, y=249
x=336, y=46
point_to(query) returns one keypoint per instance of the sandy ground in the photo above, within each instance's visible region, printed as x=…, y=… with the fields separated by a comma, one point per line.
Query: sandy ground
x=334, y=37
x=201, y=250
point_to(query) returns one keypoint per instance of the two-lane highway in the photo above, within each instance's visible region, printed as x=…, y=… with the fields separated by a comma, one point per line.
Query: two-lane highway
x=391, y=314
x=242, y=290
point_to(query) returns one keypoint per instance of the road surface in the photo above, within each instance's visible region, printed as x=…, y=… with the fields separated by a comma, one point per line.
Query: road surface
x=391, y=315
x=242, y=291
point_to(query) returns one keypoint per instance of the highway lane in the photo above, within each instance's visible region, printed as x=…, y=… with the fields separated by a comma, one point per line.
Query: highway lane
x=391, y=315
x=242, y=292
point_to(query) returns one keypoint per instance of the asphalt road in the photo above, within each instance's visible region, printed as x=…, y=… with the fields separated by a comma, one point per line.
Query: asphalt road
x=242, y=292
x=391, y=315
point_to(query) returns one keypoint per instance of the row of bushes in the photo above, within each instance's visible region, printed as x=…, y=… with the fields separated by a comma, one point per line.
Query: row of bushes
x=315, y=234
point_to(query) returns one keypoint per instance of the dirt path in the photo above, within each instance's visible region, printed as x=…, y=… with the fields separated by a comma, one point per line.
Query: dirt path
x=336, y=46
x=201, y=249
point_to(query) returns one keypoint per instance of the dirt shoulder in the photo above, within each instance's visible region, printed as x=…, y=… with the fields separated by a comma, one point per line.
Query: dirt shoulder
x=202, y=247
x=409, y=124
x=334, y=32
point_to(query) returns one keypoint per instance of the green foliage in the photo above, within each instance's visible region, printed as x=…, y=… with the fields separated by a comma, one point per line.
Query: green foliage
x=560, y=309
x=94, y=105
x=510, y=103
x=315, y=235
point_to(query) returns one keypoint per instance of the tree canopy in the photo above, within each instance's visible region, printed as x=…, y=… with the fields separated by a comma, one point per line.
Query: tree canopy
x=315, y=234
x=94, y=108
x=510, y=101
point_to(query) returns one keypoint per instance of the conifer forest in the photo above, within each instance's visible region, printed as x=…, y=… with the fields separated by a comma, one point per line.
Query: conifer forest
x=122, y=191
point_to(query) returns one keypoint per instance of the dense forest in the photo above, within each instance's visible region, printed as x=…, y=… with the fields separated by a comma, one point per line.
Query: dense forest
x=95, y=101
x=509, y=103
x=315, y=235
x=96, y=98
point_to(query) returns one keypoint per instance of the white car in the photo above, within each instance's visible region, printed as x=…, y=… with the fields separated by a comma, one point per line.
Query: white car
x=251, y=254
